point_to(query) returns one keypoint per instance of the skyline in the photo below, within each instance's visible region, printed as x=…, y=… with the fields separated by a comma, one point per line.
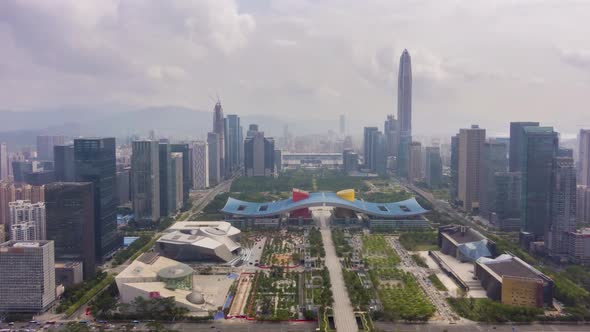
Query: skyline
x=304, y=59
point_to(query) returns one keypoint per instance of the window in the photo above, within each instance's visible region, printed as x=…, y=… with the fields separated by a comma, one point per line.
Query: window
x=383, y=208
x=263, y=208
x=241, y=208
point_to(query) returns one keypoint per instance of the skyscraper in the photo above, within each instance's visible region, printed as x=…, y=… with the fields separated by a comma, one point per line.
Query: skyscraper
x=177, y=178
x=63, y=156
x=415, y=169
x=27, y=276
x=516, y=145
x=368, y=147
x=145, y=172
x=167, y=182
x=200, y=165
x=539, y=147
x=390, y=131
x=219, y=129
x=95, y=161
x=3, y=162
x=563, y=207
x=342, y=124
x=187, y=182
x=584, y=157
x=45, y=146
x=27, y=220
x=70, y=223
x=454, y=168
x=233, y=142
x=433, y=164
x=471, y=142
x=214, y=151
x=404, y=113
x=259, y=154
x=379, y=153
x=495, y=160
x=19, y=169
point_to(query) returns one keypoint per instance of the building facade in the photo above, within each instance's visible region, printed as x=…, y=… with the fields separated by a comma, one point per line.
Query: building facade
x=219, y=129
x=64, y=163
x=27, y=276
x=95, y=161
x=145, y=171
x=233, y=142
x=200, y=165
x=167, y=182
x=259, y=155
x=4, y=166
x=471, y=142
x=495, y=160
x=177, y=178
x=433, y=163
x=70, y=223
x=516, y=143
x=45, y=146
x=368, y=150
x=187, y=180
x=584, y=157
x=214, y=151
x=27, y=220
x=563, y=207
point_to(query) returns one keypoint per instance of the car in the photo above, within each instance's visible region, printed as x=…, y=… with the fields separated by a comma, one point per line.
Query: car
x=135, y=322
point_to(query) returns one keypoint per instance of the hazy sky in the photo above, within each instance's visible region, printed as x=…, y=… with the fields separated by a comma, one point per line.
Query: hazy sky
x=476, y=61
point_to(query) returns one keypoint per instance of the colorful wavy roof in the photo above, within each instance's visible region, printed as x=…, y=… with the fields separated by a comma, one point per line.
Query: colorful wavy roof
x=406, y=208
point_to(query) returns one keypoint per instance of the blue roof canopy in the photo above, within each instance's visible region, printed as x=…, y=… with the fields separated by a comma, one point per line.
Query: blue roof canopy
x=406, y=208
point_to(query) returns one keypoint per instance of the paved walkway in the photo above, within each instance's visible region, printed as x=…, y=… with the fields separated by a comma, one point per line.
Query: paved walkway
x=343, y=313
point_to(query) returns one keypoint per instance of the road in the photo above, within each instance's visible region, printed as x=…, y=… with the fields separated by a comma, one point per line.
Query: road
x=421, y=275
x=399, y=327
x=343, y=312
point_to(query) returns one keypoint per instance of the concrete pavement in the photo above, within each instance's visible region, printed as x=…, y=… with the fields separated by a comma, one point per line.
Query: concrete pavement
x=343, y=312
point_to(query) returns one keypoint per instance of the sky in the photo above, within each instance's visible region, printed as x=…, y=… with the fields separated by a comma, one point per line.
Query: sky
x=477, y=61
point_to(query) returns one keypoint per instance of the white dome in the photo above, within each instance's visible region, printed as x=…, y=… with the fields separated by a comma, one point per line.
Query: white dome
x=195, y=298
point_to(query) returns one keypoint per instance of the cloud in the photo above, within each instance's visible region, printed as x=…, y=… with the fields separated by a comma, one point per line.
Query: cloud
x=577, y=58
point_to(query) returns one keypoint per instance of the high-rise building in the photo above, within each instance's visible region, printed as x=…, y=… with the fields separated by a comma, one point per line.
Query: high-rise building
x=508, y=186
x=563, y=207
x=19, y=169
x=454, y=168
x=95, y=161
x=27, y=221
x=200, y=165
x=342, y=124
x=45, y=146
x=516, y=145
x=167, y=182
x=177, y=179
x=10, y=192
x=259, y=154
x=350, y=160
x=390, y=131
x=471, y=142
x=145, y=173
x=495, y=160
x=583, y=204
x=40, y=177
x=63, y=156
x=415, y=169
x=187, y=181
x=584, y=157
x=368, y=147
x=123, y=192
x=27, y=276
x=433, y=174
x=219, y=129
x=379, y=153
x=3, y=162
x=70, y=223
x=404, y=113
x=539, y=148
x=214, y=150
x=233, y=143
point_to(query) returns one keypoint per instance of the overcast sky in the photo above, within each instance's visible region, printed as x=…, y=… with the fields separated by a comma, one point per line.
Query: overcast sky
x=476, y=61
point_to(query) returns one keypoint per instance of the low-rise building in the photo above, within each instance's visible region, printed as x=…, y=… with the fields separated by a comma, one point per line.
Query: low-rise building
x=579, y=246
x=464, y=243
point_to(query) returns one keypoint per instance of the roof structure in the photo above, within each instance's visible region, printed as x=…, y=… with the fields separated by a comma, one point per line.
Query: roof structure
x=406, y=208
x=510, y=266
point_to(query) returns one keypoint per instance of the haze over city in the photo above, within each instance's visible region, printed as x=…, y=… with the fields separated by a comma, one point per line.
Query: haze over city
x=483, y=62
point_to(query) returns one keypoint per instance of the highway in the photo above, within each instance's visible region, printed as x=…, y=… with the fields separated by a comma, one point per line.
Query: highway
x=343, y=312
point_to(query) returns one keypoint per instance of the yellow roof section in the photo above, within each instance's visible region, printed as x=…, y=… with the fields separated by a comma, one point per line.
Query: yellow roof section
x=347, y=194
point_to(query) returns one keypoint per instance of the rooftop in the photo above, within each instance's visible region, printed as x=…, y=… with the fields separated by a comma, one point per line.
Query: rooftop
x=510, y=266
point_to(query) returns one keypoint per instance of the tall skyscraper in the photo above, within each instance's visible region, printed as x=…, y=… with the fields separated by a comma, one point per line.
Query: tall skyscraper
x=415, y=169
x=342, y=124
x=516, y=145
x=3, y=162
x=584, y=157
x=70, y=223
x=471, y=142
x=219, y=129
x=495, y=160
x=45, y=146
x=454, y=168
x=27, y=276
x=404, y=113
x=233, y=143
x=167, y=182
x=379, y=153
x=27, y=220
x=507, y=188
x=390, y=131
x=433, y=174
x=19, y=169
x=214, y=151
x=95, y=161
x=177, y=178
x=187, y=181
x=123, y=193
x=259, y=154
x=63, y=156
x=539, y=147
x=583, y=204
x=145, y=172
x=350, y=160
x=200, y=165
x=368, y=147
x=563, y=207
